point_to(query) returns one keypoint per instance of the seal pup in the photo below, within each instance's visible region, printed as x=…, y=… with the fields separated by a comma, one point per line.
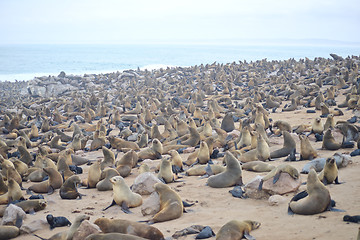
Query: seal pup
x=129, y=227
x=237, y=230
x=69, y=233
x=57, y=221
x=307, y=152
x=315, y=199
x=275, y=173
x=171, y=205
x=123, y=196
x=69, y=189
x=230, y=177
x=329, y=173
x=289, y=145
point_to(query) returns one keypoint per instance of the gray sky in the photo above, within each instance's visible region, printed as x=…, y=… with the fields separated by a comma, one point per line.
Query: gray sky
x=142, y=21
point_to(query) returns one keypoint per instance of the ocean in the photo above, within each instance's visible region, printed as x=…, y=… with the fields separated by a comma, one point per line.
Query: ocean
x=24, y=62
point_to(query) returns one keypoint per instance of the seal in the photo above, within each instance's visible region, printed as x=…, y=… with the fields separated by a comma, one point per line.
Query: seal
x=142, y=140
x=171, y=205
x=130, y=159
x=307, y=152
x=128, y=227
x=9, y=232
x=57, y=221
x=201, y=170
x=329, y=142
x=120, y=144
x=230, y=177
x=113, y=236
x=55, y=181
x=14, y=191
x=109, y=158
x=261, y=152
x=193, y=139
x=153, y=152
x=317, y=126
x=237, y=230
x=176, y=161
x=166, y=174
x=227, y=123
x=317, y=197
x=289, y=145
x=330, y=172
x=123, y=196
x=69, y=233
x=28, y=206
x=282, y=126
x=94, y=175
x=105, y=184
x=275, y=173
x=330, y=122
x=203, y=155
x=69, y=189
x=257, y=166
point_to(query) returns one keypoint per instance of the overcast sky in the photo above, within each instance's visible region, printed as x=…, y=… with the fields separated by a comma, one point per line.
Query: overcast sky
x=142, y=21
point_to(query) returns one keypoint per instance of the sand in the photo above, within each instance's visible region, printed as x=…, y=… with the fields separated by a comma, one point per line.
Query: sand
x=214, y=207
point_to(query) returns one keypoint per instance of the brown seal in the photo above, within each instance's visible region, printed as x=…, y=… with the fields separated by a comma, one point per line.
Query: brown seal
x=200, y=170
x=55, y=181
x=28, y=206
x=123, y=196
x=330, y=172
x=317, y=199
x=94, y=175
x=237, y=230
x=261, y=152
x=166, y=174
x=230, y=177
x=329, y=142
x=109, y=158
x=69, y=189
x=128, y=227
x=307, y=152
x=275, y=173
x=257, y=166
x=106, y=175
x=289, y=145
x=9, y=232
x=171, y=206
x=120, y=144
x=153, y=152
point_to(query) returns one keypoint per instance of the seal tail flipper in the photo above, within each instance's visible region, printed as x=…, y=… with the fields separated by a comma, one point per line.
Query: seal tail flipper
x=111, y=204
x=125, y=208
x=290, y=212
x=260, y=185
x=186, y=204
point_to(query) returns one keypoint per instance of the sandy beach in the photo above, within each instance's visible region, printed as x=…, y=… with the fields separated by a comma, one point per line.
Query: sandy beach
x=213, y=206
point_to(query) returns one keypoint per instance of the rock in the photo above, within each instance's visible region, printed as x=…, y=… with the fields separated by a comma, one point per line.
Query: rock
x=34, y=226
x=342, y=160
x=275, y=200
x=144, y=183
x=151, y=205
x=251, y=189
x=133, y=137
x=189, y=150
x=12, y=212
x=285, y=184
x=85, y=229
x=62, y=74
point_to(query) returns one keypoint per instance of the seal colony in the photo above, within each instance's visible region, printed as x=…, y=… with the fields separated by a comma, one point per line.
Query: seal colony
x=103, y=130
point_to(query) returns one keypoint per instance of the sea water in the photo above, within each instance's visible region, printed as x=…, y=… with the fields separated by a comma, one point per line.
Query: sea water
x=24, y=62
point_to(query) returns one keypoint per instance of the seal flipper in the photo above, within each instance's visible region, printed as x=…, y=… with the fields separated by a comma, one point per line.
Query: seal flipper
x=186, y=204
x=260, y=185
x=125, y=208
x=50, y=190
x=337, y=180
x=290, y=212
x=208, y=170
x=206, y=232
x=111, y=204
x=39, y=237
x=19, y=221
x=276, y=177
x=248, y=236
x=299, y=196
